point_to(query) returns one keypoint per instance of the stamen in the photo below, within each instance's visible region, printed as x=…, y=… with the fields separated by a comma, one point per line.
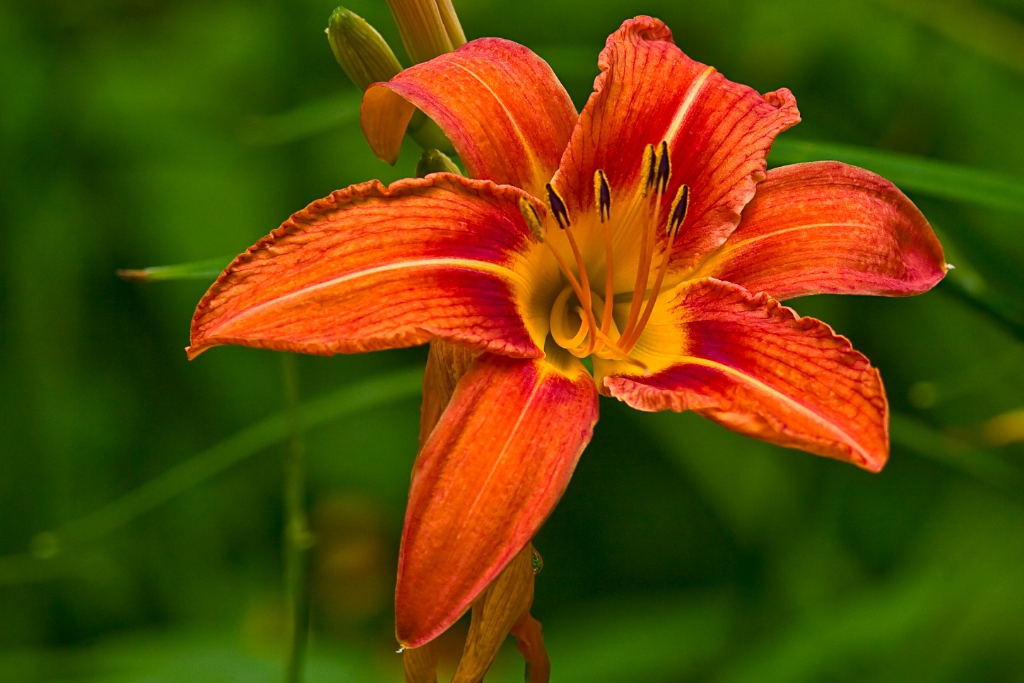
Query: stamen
x=659, y=180
x=647, y=169
x=680, y=205
x=558, y=207
x=532, y=218
x=664, y=168
x=603, y=199
x=581, y=286
x=585, y=286
x=602, y=195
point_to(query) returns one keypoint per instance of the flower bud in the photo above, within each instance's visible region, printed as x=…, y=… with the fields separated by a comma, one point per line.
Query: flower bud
x=435, y=161
x=428, y=134
x=429, y=27
x=502, y=608
x=360, y=50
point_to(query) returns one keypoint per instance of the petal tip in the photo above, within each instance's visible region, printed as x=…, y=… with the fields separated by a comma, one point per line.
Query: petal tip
x=875, y=462
x=384, y=116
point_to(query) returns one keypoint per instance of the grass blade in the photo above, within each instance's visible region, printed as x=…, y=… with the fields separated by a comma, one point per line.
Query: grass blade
x=403, y=384
x=939, y=179
x=304, y=121
x=206, y=269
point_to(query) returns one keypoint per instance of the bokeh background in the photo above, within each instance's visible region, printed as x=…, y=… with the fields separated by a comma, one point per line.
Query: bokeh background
x=137, y=133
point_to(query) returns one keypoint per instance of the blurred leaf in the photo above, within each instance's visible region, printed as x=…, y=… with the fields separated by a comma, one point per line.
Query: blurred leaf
x=831, y=642
x=206, y=269
x=965, y=282
x=978, y=27
x=639, y=639
x=1005, y=428
x=275, y=429
x=190, y=657
x=745, y=481
x=571, y=62
x=304, y=121
x=986, y=467
x=935, y=178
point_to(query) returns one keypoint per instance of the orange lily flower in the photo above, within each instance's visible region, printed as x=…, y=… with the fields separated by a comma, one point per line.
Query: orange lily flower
x=644, y=234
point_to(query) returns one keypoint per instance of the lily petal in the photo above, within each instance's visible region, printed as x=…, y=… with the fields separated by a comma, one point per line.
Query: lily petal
x=757, y=368
x=500, y=104
x=371, y=267
x=827, y=227
x=484, y=482
x=718, y=135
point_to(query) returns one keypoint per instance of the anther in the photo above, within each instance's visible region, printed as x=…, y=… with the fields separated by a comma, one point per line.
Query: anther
x=679, y=207
x=532, y=218
x=664, y=168
x=558, y=207
x=602, y=195
x=648, y=169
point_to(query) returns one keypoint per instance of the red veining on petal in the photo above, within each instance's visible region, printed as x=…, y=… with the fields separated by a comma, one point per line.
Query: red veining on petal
x=756, y=367
x=371, y=267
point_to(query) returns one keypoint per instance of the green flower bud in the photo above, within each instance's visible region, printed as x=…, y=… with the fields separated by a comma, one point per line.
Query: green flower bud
x=435, y=161
x=360, y=50
x=429, y=27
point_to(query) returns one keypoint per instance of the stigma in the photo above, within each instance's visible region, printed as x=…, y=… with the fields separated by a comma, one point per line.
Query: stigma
x=582, y=319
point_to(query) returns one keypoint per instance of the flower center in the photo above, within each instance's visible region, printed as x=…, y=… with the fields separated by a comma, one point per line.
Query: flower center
x=582, y=321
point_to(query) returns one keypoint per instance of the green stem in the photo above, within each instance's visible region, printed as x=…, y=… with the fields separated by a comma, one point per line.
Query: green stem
x=297, y=537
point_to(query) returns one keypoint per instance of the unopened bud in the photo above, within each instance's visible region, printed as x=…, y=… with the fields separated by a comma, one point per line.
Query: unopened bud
x=435, y=161
x=501, y=607
x=421, y=663
x=360, y=50
x=428, y=134
x=429, y=27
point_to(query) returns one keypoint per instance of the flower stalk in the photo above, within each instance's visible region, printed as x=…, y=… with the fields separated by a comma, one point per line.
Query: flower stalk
x=297, y=537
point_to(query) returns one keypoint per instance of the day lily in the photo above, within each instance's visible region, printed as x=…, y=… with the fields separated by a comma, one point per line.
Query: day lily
x=644, y=234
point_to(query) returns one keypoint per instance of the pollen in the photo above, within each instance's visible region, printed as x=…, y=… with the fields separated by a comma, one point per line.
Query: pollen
x=531, y=217
x=680, y=205
x=557, y=205
x=664, y=168
x=647, y=172
x=602, y=195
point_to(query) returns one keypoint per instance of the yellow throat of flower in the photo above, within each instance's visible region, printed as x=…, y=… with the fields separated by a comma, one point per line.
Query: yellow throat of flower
x=583, y=321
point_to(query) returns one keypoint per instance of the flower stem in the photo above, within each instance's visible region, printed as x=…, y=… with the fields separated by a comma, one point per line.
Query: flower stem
x=297, y=537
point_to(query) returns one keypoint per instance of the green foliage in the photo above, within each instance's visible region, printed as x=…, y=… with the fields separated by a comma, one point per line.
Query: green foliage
x=135, y=133
x=913, y=174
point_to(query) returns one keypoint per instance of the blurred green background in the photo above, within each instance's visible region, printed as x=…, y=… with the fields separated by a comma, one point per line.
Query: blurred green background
x=142, y=132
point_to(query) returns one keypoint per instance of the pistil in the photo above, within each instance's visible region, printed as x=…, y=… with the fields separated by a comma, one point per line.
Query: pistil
x=604, y=340
x=561, y=214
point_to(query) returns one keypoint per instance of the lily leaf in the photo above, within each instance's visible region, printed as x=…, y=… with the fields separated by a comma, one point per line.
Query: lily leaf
x=967, y=283
x=939, y=179
x=206, y=269
x=985, y=466
x=275, y=429
x=304, y=121
x=985, y=30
